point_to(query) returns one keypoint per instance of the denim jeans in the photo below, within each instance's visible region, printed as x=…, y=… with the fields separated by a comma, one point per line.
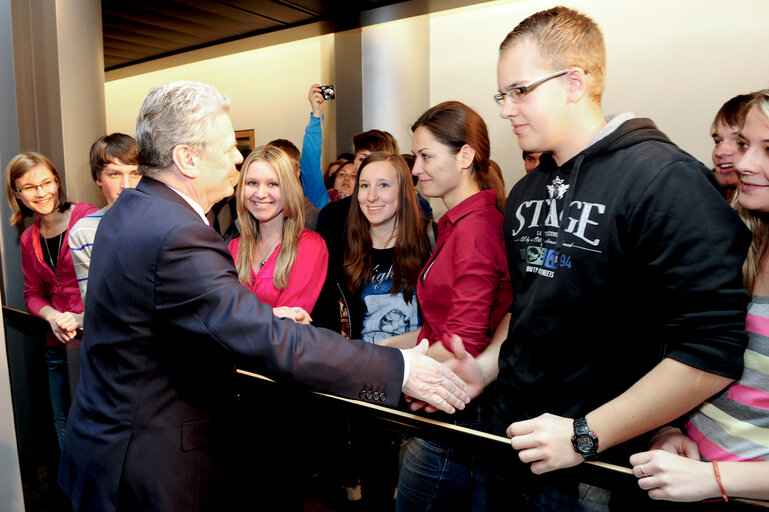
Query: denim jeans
x=58, y=387
x=436, y=477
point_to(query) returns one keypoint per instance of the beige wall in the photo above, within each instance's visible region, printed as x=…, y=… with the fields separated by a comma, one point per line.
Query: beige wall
x=267, y=87
x=396, y=82
x=673, y=61
x=81, y=82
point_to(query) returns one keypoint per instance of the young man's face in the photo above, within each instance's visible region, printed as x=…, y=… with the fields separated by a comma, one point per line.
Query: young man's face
x=360, y=156
x=725, y=139
x=116, y=177
x=537, y=120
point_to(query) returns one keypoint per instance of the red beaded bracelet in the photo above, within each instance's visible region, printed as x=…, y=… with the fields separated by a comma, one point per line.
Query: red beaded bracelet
x=718, y=479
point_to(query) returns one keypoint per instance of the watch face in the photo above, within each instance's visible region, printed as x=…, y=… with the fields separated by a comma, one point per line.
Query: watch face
x=585, y=443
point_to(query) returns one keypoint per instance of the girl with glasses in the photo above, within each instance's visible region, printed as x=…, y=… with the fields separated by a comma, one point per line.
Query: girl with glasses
x=50, y=285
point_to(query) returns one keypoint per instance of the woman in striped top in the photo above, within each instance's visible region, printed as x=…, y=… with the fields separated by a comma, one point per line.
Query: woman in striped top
x=726, y=449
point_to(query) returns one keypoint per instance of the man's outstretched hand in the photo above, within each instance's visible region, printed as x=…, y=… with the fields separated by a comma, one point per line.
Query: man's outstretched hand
x=465, y=367
x=433, y=382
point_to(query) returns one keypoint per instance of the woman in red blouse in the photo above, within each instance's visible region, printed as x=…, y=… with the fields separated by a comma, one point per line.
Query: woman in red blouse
x=464, y=289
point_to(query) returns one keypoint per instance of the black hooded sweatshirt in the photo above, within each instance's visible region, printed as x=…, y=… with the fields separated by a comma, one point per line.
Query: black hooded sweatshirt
x=624, y=255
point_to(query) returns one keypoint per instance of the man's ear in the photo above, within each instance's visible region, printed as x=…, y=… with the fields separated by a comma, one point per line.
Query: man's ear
x=186, y=160
x=466, y=156
x=577, y=85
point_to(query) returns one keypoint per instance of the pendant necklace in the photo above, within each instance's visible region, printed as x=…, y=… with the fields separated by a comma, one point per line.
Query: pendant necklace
x=264, y=258
x=48, y=251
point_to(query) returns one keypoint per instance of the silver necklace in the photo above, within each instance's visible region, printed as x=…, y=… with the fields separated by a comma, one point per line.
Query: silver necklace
x=58, y=253
x=264, y=258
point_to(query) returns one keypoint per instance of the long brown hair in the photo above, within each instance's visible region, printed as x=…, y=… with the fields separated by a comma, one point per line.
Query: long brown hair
x=411, y=247
x=454, y=124
x=293, y=216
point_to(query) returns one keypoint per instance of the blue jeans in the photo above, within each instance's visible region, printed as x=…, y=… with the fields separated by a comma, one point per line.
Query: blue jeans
x=58, y=387
x=436, y=477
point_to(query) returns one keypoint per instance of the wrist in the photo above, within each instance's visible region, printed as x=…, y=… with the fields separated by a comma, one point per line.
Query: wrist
x=48, y=313
x=719, y=491
x=584, y=440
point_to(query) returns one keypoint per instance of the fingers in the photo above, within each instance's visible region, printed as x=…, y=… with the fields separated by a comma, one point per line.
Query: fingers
x=520, y=428
x=433, y=382
x=691, y=450
x=448, y=397
x=302, y=315
x=455, y=389
x=442, y=405
x=640, y=458
x=60, y=336
x=66, y=321
x=456, y=383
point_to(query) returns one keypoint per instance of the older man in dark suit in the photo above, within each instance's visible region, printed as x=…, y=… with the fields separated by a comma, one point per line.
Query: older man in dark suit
x=167, y=320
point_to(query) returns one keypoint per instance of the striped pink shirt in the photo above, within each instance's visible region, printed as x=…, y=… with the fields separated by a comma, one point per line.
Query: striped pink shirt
x=734, y=425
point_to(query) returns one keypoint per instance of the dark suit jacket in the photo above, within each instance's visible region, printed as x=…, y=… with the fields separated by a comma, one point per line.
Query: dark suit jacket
x=166, y=322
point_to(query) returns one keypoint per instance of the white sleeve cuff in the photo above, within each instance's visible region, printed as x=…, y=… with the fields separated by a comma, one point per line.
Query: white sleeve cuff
x=406, y=366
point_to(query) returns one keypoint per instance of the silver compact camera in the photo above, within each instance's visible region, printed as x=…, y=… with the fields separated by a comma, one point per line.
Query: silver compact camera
x=328, y=92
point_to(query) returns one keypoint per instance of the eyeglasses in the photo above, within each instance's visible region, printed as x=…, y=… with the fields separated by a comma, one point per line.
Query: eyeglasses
x=517, y=94
x=48, y=185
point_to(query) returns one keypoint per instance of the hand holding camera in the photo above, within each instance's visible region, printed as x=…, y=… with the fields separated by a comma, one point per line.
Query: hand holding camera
x=318, y=94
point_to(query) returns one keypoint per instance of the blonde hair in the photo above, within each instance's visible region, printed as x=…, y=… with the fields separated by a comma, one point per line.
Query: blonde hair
x=565, y=38
x=293, y=216
x=757, y=223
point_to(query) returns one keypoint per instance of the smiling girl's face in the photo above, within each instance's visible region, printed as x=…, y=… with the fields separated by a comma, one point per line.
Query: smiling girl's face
x=752, y=162
x=378, y=193
x=39, y=190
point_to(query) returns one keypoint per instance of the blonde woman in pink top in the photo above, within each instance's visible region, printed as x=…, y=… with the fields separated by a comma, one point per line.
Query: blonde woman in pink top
x=283, y=263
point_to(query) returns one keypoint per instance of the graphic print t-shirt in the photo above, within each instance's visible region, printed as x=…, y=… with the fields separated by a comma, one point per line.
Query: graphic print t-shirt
x=386, y=314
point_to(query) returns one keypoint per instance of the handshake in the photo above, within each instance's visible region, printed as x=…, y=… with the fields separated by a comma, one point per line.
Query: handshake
x=430, y=384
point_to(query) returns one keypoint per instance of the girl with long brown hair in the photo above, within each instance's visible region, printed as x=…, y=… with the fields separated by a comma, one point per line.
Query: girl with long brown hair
x=386, y=247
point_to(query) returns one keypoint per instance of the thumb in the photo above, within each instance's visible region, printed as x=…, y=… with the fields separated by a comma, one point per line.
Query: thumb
x=422, y=346
x=458, y=347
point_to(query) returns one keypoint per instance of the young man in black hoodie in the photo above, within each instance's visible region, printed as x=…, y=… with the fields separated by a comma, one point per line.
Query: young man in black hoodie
x=629, y=307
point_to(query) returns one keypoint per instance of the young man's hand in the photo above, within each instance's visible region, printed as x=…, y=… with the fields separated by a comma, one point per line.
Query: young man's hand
x=545, y=442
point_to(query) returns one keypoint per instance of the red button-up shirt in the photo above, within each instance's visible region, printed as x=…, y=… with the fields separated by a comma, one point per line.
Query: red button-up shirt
x=465, y=287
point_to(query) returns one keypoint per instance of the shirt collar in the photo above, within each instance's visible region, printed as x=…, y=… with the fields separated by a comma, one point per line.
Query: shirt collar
x=469, y=205
x=195, y=206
